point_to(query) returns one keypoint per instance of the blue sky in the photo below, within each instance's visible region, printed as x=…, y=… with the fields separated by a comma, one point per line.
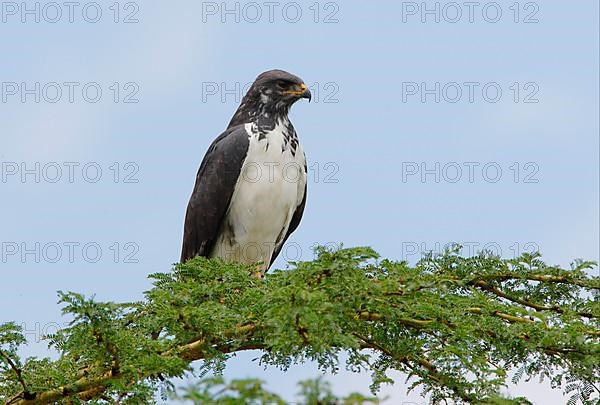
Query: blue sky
x=390, y=167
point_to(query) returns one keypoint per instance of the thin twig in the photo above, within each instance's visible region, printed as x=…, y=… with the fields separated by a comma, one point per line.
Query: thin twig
x=26, y=394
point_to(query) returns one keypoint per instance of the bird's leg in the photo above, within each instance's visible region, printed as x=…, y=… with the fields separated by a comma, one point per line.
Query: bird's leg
x=260, y=271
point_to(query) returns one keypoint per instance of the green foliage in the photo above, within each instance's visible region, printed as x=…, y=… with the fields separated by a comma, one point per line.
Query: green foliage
x=251, y=391
x=456, y=326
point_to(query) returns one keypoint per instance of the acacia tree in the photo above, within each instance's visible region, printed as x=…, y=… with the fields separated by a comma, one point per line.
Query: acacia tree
x=456, y=326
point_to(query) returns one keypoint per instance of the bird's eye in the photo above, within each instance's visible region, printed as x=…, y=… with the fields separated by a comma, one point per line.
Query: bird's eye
x=281, y=84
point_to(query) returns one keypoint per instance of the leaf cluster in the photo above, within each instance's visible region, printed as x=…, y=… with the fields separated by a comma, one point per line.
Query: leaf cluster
x=455, y=326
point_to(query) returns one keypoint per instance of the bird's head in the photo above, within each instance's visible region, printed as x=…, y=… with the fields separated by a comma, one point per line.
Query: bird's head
x=272, y=94
x=278, y=86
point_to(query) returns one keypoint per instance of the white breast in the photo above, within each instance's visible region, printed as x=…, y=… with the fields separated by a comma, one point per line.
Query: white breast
x=270, y=188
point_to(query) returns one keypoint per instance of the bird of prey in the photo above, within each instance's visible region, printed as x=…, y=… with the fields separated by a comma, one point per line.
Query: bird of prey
x=250, y=189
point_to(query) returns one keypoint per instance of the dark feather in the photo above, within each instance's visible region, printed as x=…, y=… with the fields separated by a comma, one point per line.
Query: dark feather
x=293, y=225
x=215, y=182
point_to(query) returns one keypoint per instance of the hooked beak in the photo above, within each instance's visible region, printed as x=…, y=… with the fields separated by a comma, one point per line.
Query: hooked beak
x=305, y=92
x=302, y=92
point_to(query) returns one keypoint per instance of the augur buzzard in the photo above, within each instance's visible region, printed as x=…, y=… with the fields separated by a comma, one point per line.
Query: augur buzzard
x=250, y=189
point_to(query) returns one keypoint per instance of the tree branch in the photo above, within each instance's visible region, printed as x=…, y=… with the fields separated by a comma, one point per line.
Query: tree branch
x=19, y=375
x=487, y=287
